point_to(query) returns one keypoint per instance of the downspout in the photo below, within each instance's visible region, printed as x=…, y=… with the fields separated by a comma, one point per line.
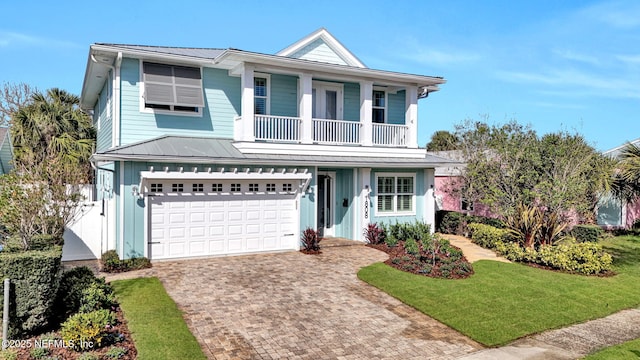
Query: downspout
x=116, y=97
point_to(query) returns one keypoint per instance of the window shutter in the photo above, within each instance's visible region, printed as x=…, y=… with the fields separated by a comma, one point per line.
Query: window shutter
x=172, y=85
x=158, y=84
x=188, y=87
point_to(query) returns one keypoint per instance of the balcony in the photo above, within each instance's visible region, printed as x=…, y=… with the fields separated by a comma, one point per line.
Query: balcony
x=327, y=132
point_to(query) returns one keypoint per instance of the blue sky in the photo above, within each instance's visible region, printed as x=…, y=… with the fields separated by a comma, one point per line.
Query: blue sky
x=558, y=65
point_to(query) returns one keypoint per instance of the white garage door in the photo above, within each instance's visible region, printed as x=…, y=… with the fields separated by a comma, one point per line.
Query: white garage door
x=189, y=219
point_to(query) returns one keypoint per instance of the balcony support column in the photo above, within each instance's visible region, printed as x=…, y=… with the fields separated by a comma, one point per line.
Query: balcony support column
x=366, y=112
x=247, y=104
x=305, y=91
x=411, y=116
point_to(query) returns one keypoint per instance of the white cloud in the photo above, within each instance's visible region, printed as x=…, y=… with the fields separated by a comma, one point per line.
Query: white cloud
x=576, y=83
x=629, y=59
x=578, y=57
x=8, y=38
x=439, y=57
x=618, y=14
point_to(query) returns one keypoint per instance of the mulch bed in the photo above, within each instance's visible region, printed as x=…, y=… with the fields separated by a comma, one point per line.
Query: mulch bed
x=67, y=353
x=401, y=260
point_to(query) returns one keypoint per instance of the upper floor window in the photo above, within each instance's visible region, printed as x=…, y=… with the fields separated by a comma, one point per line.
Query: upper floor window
x=379, y=106
x=172, y=88
x=260, y=95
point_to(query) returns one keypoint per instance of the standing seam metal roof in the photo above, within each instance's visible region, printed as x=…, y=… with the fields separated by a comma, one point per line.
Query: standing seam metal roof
x=203, y=149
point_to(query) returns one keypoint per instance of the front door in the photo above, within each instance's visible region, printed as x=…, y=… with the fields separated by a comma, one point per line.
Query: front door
x=326, y=200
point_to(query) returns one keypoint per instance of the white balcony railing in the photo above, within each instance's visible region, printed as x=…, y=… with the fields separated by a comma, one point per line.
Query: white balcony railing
x=336, y=132
x=277, y=128
x=390, y=135
x=324, y=131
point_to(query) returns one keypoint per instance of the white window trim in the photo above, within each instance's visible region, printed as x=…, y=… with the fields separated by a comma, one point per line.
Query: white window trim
x=268, y=97
x=146, y=110
x=386, y=104
x=395, y=195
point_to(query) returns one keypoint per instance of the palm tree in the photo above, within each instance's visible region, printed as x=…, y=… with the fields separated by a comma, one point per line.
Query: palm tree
x=52, y=127
x=627, y=179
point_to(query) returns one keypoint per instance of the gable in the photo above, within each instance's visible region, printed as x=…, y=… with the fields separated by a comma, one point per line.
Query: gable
x=321, y=46
x=319, y=51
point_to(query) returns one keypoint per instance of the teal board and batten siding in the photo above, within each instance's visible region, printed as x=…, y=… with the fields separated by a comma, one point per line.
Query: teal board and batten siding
x=284, y=95
x=351, y=102
x=222, y=105
x=103, y=121
x=396, y=108
x=421, y=190
x=318, y=50
x=308, y=204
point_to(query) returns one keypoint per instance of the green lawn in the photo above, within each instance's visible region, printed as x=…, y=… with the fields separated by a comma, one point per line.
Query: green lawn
x=628, y=350
x=155, y=321
x=502, y=302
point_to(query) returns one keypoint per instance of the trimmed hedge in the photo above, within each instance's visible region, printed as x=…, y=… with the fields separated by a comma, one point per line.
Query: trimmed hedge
x=486, y=235
x=452, y=222
x=70, y=292
x=584, y=258
x=587, y=233
x=34, y=284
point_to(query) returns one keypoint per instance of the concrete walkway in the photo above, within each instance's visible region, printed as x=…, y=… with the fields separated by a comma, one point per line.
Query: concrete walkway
x=571, y=342
x=472, y=251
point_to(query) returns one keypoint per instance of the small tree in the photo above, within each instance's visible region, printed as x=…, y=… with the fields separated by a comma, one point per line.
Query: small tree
x=443, y=140
x=53, y=140
x=12, y=98
x=43, y=200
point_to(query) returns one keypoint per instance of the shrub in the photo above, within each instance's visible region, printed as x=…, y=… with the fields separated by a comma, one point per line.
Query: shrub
x=374, y=234
x=137, y=263
x=486, y=235
x=587, y=233
x=411, y=247
x=496, y=223
x=98, y=295
x=72, y=284
x=391, y=241
x=111, y=262
x=39, y=352
x=452, y=223
x=115, y=353
x=636, y=225
x=9, y=354
x=88, y=356
x=310, y=240
x=34, y=284
x=43, y=242
x=87, y=330
x=585, y=258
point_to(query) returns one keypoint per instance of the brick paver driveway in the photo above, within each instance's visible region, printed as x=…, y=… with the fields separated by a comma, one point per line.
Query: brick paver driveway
x=291, y=306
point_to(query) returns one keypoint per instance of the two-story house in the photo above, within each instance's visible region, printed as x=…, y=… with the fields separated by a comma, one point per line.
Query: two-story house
x=206, y=151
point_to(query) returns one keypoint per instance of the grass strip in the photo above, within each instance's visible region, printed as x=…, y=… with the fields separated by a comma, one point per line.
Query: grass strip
x=155, y=322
